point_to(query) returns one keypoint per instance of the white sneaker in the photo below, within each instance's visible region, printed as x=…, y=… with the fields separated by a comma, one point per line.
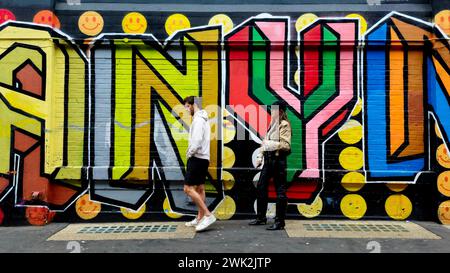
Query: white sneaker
x=192, y=223
x=205, y=222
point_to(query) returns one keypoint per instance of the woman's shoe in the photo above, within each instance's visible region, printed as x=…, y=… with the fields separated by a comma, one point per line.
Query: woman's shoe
x=257, y=222
x=276, y=226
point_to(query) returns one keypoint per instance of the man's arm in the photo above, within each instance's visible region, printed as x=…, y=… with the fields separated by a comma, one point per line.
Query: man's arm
x=196, y=140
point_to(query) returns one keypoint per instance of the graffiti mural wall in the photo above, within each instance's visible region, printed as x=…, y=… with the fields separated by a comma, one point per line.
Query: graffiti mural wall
x=93, y=126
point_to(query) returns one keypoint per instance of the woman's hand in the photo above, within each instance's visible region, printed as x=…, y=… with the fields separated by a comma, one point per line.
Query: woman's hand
x=264, y=145
x=269, y=145
x=258, y=162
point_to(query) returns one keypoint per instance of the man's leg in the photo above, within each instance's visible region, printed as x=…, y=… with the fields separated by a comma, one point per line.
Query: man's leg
x=198, y=200
x=200, y=189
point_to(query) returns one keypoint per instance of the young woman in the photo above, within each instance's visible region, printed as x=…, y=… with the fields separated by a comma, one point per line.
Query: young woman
x=274, y=150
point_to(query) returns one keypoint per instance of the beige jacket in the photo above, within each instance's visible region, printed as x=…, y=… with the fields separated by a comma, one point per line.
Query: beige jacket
x=277, y=138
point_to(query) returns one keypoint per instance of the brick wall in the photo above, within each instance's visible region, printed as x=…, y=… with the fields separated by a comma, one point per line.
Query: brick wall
x=93, y=119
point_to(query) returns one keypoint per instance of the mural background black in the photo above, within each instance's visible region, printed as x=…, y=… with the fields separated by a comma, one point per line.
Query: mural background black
x=157, y=12
x=423, y=194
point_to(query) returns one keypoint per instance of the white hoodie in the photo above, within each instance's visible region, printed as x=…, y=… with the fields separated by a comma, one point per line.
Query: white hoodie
x=199, y=136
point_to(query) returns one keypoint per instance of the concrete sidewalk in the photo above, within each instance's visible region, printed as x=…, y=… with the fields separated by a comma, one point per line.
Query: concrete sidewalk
x=233, y=236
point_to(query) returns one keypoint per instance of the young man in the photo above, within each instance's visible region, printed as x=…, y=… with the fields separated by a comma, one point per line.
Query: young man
x=198, y=162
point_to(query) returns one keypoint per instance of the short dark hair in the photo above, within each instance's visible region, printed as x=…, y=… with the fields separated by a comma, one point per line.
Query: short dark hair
x=189, y=99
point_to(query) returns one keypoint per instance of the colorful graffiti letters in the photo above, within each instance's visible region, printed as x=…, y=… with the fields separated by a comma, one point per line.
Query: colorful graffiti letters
x=112, y=121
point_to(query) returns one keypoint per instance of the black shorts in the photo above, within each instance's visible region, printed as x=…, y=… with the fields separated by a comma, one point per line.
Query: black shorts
x=196, y=171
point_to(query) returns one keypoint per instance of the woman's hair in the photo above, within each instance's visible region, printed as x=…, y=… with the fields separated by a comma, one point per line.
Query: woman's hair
x=283, y=116
x=282, y=108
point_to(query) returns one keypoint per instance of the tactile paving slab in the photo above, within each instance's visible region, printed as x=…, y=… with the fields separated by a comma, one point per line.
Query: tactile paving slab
x=357, y=229
x=124, y=231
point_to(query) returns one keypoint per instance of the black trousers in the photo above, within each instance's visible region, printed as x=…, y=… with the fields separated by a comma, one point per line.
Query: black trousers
x=274, y=167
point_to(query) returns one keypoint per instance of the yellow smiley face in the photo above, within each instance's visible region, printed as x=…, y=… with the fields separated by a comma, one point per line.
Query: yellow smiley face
x=86, y=208
x=227, y=180
x=133, y=214
x=90, y=23
x=228, y=157
x=442, y=156
x=444, y=212
x=398, y=206
x=353, y=206
x=297, y=77
x=228, y=131
x=226, y=208
x=311, y=211
x=351, y=158
x=351, y=132
x=357, y=108
x=362, y=22
x=176, y=22
x=168, y=210
x=436, y=130
x=222, y=19
x=134, y=22
x=304, y=20
x=443, y=183
x=397, y=187
x=442, y=19
x=353, y=181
